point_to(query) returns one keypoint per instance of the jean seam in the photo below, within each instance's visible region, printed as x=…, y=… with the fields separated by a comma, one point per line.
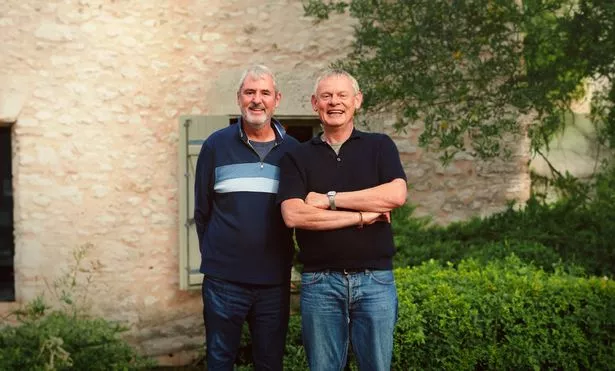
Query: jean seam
x=316, y=277
x=373, y=277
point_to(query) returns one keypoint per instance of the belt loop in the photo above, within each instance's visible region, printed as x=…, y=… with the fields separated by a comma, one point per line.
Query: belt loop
x=345, y=272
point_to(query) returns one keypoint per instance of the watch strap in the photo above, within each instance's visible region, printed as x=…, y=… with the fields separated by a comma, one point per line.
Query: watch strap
x=331, y=196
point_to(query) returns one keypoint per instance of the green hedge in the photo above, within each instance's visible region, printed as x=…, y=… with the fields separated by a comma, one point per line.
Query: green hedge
x=505, y=315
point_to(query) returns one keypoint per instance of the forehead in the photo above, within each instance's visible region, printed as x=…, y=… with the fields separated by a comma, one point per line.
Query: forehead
x=264, y=82
x=332, y=84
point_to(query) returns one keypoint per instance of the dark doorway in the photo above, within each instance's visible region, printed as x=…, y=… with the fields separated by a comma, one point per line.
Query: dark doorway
x=7, y=244
x=302, y=129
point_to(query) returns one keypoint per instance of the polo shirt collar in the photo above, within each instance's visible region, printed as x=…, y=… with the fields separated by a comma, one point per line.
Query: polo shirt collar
x=356, y=134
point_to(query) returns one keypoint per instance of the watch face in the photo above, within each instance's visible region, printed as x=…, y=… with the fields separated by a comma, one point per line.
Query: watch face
x=331, y=193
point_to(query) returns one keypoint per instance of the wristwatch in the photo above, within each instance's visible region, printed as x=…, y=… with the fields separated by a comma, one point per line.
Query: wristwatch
x=331, y=195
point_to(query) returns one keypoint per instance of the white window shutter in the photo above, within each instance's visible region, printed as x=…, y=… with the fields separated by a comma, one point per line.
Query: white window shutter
x=193, y=132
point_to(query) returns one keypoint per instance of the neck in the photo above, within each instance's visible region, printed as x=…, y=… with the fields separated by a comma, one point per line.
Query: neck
x=335, y=135
x=264, y=133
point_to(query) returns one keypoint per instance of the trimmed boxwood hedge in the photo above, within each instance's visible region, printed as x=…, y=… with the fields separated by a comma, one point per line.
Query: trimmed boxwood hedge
x=503, y=315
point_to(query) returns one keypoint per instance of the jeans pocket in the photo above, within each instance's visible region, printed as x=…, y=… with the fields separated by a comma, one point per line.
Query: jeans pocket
x=311, y=278
x=383, y=277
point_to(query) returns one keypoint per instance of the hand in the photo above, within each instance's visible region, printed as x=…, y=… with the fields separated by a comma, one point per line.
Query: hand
x=370, y=217
x=386, y=217
x=319, y=200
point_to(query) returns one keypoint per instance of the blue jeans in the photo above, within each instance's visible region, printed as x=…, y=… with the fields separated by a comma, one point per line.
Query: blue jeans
x=227, y=305
x=338, y=308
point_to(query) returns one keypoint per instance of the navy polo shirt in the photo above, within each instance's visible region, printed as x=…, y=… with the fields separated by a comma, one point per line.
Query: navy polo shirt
x=365, y=160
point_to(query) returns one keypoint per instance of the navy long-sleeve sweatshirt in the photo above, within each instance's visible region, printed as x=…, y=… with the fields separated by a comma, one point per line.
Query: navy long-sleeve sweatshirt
x=242, y=236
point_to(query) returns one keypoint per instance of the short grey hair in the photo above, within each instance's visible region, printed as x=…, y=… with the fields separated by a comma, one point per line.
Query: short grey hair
x=337, y=73
x=260, y=71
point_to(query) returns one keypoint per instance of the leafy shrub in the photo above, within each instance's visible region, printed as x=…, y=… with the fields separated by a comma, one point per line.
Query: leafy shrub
x=505, y=315
x=57, y=340
x=455, y=251
x=294, y=353
x=573, y=232
x=66, y=338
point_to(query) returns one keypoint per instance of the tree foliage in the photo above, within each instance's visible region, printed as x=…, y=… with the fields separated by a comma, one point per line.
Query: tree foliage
x=468, y=69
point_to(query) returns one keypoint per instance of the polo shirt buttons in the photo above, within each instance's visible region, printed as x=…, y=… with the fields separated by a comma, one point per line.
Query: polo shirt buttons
x=339, y=159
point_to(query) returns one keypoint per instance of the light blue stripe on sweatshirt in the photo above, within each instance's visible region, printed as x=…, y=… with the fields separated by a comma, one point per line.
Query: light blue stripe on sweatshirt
x=247, y=170
x=248, y=177
x=264, y=185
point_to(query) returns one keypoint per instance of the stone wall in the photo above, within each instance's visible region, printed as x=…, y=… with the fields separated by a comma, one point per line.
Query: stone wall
x=467, y=187
x=95, y=88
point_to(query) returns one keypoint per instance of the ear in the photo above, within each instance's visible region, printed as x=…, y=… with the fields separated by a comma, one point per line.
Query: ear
x=358, y=100
x=278, y=98
x=314, y=103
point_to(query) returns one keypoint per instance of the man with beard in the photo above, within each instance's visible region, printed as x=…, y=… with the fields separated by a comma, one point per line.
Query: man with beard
x=246, y=249
x=338, y=190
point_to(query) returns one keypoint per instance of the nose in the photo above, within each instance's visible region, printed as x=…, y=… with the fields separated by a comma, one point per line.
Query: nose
x=334, y=100
x=257, y=98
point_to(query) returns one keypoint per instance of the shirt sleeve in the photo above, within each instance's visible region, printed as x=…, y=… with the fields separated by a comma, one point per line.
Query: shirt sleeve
x=203, y=188
x=389, y=162
x=292, y=180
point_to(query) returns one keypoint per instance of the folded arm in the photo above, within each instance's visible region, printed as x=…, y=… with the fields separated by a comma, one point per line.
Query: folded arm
x=298, y=214
x=380, y=199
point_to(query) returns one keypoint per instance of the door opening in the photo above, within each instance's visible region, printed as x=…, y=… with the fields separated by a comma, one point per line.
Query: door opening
x=301, y=128
x=7, y=244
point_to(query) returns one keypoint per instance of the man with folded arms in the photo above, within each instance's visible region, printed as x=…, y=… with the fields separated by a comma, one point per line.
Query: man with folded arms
x=337, y=190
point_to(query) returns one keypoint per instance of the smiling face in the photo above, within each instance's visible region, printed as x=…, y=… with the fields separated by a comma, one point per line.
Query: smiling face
x=336, y=100
x=257, y=100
